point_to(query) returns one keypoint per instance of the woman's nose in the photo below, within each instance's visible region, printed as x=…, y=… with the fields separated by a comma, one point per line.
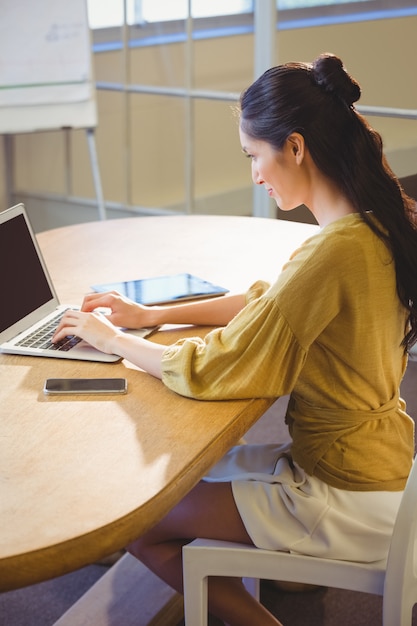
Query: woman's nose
x=257, y=179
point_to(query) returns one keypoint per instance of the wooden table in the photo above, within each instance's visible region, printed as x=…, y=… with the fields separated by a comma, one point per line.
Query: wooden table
x=81, y=477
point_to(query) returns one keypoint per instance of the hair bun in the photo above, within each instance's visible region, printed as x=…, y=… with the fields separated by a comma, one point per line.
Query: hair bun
x=329, y=73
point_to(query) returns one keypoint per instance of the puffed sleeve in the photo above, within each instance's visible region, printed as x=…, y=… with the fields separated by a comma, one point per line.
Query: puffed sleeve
x=256, y=290
x=255, y=355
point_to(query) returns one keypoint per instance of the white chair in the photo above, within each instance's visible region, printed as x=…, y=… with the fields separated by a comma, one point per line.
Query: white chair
x=394, y=578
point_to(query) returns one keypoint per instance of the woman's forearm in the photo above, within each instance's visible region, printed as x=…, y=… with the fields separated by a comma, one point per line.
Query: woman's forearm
x=140, y=352
x=213, y=312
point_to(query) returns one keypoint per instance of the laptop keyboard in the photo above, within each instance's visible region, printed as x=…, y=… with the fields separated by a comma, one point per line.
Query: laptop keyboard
x=42, y=337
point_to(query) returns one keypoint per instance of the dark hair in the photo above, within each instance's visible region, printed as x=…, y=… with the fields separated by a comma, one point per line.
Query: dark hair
x=317, y=101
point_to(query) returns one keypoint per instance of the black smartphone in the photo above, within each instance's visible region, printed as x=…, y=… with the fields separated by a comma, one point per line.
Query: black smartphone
x=85, y=385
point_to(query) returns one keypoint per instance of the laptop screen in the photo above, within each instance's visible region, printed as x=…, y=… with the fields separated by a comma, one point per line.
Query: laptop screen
x=23, y=284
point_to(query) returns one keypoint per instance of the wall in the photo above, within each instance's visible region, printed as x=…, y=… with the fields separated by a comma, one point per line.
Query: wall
x=141, y=138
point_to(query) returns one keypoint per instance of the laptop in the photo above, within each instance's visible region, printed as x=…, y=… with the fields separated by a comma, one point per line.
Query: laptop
x=30, y=310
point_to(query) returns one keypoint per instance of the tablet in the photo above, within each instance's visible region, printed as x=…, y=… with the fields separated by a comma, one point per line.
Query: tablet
x=164, y=289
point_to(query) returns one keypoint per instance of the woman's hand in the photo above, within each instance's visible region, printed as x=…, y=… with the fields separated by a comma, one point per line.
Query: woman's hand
x=98, y=331
x=94, y=328
x=123, y=312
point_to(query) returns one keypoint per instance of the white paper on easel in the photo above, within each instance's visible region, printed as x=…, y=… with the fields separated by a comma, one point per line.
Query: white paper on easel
x=44, y=52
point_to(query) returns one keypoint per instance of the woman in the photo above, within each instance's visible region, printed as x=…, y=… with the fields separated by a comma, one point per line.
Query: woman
x=333, y=331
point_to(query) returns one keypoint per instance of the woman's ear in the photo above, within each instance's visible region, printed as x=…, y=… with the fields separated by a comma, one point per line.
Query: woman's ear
x=297, y=146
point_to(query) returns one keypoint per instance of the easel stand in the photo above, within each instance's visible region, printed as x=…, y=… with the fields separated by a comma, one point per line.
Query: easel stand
x=95, y=170
x=96, y=173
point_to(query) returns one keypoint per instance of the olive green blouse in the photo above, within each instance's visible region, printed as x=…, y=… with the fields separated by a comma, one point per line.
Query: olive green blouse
x=328, y=332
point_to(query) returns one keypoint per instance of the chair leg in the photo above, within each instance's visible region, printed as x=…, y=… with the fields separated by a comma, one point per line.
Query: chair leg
x=196, y=598
x=196, y=589
x=195, y=593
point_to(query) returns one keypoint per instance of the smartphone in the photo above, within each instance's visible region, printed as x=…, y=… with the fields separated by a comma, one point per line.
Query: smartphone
x=85, y=385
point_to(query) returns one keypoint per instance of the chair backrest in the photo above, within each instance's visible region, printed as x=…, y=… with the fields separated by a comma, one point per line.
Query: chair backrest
x=401, y=564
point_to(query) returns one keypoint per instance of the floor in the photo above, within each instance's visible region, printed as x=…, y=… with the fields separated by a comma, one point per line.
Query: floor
x=43, y=604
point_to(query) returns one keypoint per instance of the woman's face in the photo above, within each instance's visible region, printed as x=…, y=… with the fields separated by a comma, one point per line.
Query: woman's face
x=276, y=170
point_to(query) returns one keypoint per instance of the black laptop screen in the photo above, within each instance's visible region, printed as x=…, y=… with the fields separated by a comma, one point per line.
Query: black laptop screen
x=23, y=284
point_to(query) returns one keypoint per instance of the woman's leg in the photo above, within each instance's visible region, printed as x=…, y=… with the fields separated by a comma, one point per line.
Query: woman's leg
x=208, y=511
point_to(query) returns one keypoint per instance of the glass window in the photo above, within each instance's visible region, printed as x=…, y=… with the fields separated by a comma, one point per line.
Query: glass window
x=107, y=13
x=178, y=9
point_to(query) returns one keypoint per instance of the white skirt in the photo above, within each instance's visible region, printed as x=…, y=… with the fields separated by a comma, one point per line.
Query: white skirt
x=283, y=508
